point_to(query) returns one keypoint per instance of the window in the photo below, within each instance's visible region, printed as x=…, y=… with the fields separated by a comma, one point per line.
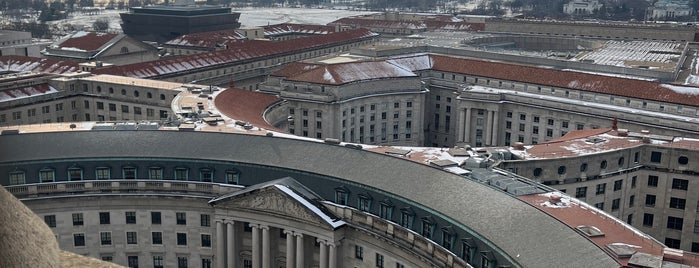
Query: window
x=561, y=170
x=157, y=261
x=75, y=174
x=603, y=164
x=181, y=239
x=358, y=252
x=232, y=177
x=522, y=117
x=104, y=217
x=580, y=192
x=674, y=223
x=47, y=175
x=124, y=109
x=678, y=203
x=550, y=122
x=206, y=174
x=105, y=238
x=130, y=217
x=128, y=173
x=427, y=229
x=600, y=205
x=633, y=182
x=617, y=185
x=79, y=240
x=650, y=200
x=379, y=260
x=341, y=196
x=615, y=204
x=182, y=262
x=157, y=238
x=155, y=217
x=682, y=160
x=652, y=181
x=77, y=219
x=673, y=243
x=680, y=184
x=132, y=261
x=17, y=178
x=131, y=238
x=364, y=203
x=632, y=199
x=406, y=218
x=647, y=219
x=112, y=107
x=621, y=161
x=181, y=218
x=385, y=210
x=205, y=220
x=137, y=110
x=155, y=173
x=655, y=157
x=50, y=220
x=181, y=174
x=102, y=173
x=600, y=188
x=447, y=239
x=537, y=172
x=583, y=167
x=205, y=240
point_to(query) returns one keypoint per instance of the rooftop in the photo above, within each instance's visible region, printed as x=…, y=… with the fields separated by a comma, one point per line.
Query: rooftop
x=342, y=73
x=84, y=41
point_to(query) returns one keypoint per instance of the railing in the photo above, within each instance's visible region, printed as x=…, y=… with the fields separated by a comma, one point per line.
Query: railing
x=403, y=237
x=57, y=189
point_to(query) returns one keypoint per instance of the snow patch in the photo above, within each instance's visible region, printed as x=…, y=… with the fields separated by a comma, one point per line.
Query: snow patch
x=327, y=76
x=682, y=89
x=563, y=200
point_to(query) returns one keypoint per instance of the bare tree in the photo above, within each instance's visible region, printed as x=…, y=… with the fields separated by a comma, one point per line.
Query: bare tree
x=101, y=25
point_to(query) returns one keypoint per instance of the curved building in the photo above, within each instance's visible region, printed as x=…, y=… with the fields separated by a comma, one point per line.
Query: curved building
x=201, y=199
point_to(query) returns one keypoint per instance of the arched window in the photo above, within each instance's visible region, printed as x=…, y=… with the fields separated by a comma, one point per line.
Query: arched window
x=583, y=167
x=561, y=170
x=162, y=96
x=111, y=90
x=603, y=164
x=621, y=161
x=123, y=91
x=537, y=172
x=136, y=93
x=99, y=89
x=149, y=95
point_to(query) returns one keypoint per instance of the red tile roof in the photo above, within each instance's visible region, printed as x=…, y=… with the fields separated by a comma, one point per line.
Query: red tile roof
x=618, y=86
x=207, y=39
x=87, y=41
x=236, y=52
x=245, y=105
x=295, y=68
x=25, y=91
x=39, y=65
x=285, y=28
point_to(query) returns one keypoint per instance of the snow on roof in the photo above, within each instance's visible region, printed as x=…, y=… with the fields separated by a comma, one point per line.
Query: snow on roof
x=26, y=92
x=335, y=74
x=37, y=65
x=308, y=205
x=85, y=41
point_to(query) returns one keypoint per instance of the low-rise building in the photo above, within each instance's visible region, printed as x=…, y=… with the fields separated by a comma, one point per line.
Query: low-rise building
x=117, y=49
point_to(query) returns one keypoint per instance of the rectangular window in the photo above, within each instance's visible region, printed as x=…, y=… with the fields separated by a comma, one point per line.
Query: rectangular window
x=600, y=205
x=105, y=238
x=652, y=181
x=181, y=218
x=181, y=174
x=157, y=238
x=647, y=219
x=205, y=240
x=580, y=192
x=379, y=260
x=677, y=203
x=182, y=262
x=680, y=184
x=79, y=240
x=112, y=107
x=205, y=220
x=601, y=188
x=673, y=243
x=155, y=173
x=674, y=223
x=131, y=238
x=130, y=217
x=103, y=173
x=447, y=240
x=155, y=217
x=104, y=217
x=632, y=199
x=358, y=252
x=617, y=185
x=77, y=219
x=132, y=261
x=137, y=110
x=364, y=203
x=655, y=157
x=129, y=173
x=406, y=219
x=181, y=239
x=615, y=204
x=50, y=220
x=650, y=200
x=427, y=228
x=157, y=261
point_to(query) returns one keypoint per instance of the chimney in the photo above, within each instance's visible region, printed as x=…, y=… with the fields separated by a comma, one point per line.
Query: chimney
x=614, y=123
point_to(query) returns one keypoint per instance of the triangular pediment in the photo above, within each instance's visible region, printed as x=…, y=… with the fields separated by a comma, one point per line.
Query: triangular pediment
x=280, y=201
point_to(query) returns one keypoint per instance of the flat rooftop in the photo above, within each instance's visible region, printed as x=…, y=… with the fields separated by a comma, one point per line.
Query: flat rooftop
x=123, y=80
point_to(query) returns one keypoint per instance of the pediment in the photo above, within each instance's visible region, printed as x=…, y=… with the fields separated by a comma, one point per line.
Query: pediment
x=279, y=201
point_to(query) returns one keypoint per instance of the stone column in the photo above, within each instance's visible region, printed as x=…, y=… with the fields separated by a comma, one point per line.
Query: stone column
x=256, y=246
x=230, y=245
x=461, y=125
x=265, y=247
x=494, y=139
x=332, y=256
x=299, y=250
x=220, y=255
x=323, y=254
x=290, y=250
x=488, y=128
x=467, y=126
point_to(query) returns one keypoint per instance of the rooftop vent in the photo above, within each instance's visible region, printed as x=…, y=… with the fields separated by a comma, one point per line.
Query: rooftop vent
x=595, y=140
x=590, y=231
x=519, y=146
x=622, y=251
x=622, y=132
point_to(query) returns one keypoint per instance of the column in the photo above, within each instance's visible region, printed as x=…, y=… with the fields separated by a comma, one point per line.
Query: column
x=323, y=254
x=461, y=125
x=255, y=246
x=265, y=247
x=467, y=126
x=290, y=250
x=494, y=139
x=220, y=257
x=230, y=245
x=488, y=127
x=299, y=250
x=332, y=256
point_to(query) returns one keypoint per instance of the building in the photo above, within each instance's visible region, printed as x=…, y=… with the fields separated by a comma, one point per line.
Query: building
x=582, y=7
x=116, y=49
x=644, y=179
x=15, y=43
x=169, y=197
x=670, y=10
x=163, y=23
x=366, y=102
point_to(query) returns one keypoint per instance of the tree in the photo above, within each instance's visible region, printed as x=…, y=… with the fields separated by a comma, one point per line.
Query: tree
x=101, y=25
